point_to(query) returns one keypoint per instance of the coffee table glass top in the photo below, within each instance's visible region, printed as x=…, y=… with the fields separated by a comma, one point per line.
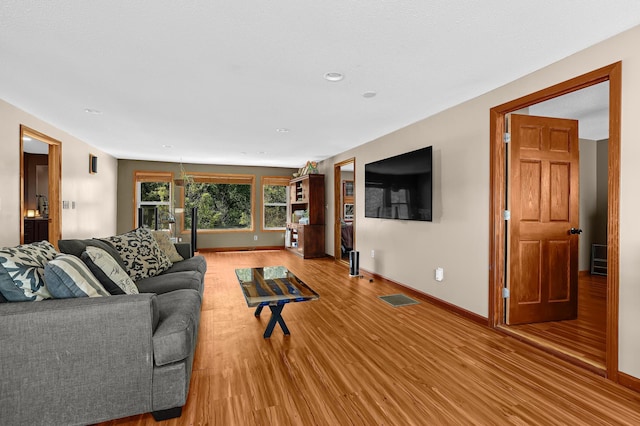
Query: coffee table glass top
x=273, y=285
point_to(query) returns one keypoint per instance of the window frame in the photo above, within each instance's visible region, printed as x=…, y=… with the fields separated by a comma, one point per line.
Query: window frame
x=142, y=176
x=226, y=178
x=274, y=181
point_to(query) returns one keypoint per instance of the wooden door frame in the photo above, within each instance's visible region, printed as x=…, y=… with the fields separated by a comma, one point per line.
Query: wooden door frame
x=613, y=74
x=337, y=191
x=55, y=180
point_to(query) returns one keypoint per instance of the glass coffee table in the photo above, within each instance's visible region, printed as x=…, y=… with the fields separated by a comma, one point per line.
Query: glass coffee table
x=273, y=286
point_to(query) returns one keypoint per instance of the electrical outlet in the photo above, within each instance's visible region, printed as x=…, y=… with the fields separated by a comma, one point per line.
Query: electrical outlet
x=439, y=274
x=373, y=253
x=255, y=238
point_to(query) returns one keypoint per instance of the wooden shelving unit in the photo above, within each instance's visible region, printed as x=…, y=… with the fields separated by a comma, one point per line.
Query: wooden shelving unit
x=305, y=225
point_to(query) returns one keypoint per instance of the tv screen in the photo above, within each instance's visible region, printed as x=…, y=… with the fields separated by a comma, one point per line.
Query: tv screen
x=400, y=187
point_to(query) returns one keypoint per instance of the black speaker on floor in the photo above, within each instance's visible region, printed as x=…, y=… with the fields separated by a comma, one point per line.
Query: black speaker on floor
x=194, y=230
x=354, y=263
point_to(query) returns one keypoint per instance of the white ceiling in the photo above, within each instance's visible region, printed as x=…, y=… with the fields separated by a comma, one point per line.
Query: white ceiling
x=211, y=82
x=590, y=106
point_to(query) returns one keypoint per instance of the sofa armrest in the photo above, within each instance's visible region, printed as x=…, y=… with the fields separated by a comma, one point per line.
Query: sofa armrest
x=85, y=359
x=184, y=249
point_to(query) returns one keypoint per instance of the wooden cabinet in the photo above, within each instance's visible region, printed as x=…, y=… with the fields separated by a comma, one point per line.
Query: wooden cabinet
x=305, y=225
x=35, y=229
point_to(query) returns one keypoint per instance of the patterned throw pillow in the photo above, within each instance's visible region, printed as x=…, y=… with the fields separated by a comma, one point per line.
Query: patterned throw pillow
x=164, y=241
x=22, y=271
x=141, y=254
x=67, y=277
x=108, y=271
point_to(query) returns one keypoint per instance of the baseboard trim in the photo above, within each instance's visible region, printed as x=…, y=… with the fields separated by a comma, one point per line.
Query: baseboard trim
x=479, y=319
x=221, y=249
x=628, y=381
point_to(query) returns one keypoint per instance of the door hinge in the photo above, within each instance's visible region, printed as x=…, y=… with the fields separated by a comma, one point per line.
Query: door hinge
x=506, y=215
x=505, y=293
x=506, y=137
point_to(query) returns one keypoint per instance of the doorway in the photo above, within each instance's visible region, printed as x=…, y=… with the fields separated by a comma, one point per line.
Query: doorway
x=40, y=182
x=345, y=208
x=499, y=199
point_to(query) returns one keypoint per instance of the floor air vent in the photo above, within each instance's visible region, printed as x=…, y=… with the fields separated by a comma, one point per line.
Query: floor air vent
x=397, y=300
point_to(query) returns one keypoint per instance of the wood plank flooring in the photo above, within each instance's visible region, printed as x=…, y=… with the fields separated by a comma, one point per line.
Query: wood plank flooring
x=352, y=359
x=583, y=338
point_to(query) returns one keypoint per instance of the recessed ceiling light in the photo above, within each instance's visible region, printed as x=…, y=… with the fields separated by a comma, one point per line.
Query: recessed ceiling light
x=282, y=130
x=167, y=146
x=26, y=139
x=92, y=111
x=369, y=94
x=262, y=153
x=333, y=76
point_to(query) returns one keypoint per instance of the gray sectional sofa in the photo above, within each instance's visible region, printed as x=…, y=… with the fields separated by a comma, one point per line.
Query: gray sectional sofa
x=84, y=360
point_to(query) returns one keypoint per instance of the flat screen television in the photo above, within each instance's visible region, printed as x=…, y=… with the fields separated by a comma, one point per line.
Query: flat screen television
x=400, y=187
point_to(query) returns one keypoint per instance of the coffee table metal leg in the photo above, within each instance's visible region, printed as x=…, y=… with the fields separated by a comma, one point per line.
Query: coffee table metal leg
x=258, y=311
x=276, y=317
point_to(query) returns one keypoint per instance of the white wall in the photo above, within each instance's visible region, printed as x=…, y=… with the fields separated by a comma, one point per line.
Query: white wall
x=95, y=195
x=588, y=201
x=458, y=237
x=603, y=191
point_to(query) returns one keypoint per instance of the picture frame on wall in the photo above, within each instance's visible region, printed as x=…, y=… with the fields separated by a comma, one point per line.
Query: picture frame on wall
x=348, y=211
x=347, y=188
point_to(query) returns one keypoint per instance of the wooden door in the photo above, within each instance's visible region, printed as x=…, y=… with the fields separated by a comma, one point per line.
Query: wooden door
x=544, y=204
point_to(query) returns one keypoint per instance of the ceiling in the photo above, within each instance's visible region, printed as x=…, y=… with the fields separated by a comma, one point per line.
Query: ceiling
x=213, y=82
x=590, y=106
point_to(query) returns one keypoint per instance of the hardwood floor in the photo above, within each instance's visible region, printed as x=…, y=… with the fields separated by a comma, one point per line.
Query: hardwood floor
x=583, y=338
x=352, y=359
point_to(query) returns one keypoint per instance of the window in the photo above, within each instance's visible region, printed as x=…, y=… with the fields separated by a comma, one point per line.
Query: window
x=153, y=196
x=274, y=202
x=224, y=201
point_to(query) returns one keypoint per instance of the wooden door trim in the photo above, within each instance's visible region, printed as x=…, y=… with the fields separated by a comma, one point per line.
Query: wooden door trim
x=55, y=179
x=497, y=153
x=337, y=191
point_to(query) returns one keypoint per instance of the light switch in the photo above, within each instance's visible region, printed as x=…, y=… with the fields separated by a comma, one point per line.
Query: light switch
x=439, y=274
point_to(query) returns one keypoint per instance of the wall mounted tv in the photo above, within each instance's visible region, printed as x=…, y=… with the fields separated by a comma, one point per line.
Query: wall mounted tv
x=400, y=187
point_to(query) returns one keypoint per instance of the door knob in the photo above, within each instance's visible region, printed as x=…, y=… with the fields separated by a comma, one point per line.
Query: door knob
x=575, y=231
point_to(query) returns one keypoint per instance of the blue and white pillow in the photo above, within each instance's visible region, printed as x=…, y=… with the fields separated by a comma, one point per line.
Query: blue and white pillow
x=22, y=271
x=68, y=277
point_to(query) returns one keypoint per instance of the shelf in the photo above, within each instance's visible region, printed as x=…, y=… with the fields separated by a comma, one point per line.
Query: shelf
x=306, y=194
x=599, y=262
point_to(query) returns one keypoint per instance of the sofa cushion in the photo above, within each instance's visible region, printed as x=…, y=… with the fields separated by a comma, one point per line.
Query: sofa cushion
x=108, y=271
x=22, y=271
x=67, y=277
x=195, y=263
x=175, y=336
x=164, y=283
x=141, y=254
x=164, y=241
x=77, y=247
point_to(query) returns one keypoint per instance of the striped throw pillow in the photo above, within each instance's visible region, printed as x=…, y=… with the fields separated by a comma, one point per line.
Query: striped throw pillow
x=66, y=276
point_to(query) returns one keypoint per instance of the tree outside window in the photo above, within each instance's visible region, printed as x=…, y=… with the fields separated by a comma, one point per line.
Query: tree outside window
x=153, y=192
x=274, y=202
x=224, y=202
